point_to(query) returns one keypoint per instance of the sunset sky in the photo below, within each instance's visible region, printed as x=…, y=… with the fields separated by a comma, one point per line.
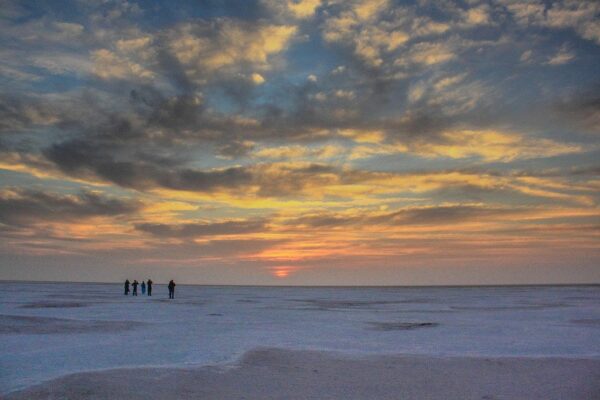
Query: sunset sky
x=300, y=142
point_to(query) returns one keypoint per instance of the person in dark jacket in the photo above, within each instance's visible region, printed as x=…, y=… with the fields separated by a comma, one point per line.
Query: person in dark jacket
x=149, y=287
x=143, y=286
x=126, y=287
x=135, y=285
x=171, y=289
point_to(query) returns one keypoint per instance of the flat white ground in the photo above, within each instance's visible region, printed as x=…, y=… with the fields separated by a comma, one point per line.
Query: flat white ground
x=51, y=330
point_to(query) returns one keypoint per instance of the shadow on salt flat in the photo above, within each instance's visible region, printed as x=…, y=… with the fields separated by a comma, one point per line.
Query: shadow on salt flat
x=587, y=322
x=341, y=305
x=52, y=304
x=179, y=302
x=542, y=306
x=18, y=324
x=584, y=298
x=400, y=326
x=84, y=296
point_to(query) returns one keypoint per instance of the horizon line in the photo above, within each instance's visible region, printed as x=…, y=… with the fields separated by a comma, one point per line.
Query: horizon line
x=312, y=286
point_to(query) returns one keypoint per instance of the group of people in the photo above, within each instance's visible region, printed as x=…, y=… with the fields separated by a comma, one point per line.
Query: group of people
x=147, y=285
x=135, y=284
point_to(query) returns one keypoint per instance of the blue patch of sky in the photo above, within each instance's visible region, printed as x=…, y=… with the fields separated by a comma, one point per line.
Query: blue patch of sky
x=406, y=162
x=303, y=58
x=16, y=179
x=564, y=163
x=160, y=14
x=207, y=158
x=310, y=56
x=55, y=83
x=34, y=9
x=221, y=100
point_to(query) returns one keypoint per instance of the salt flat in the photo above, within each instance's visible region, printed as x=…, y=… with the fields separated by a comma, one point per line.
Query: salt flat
x=287, y=374
x=48, y=331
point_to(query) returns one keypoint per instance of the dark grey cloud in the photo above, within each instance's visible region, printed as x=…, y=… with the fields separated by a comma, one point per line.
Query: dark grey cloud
x=97, y=161
x=291, y=180
x=178, y=251
x=412, y=216
x=205, y=181
x=582, y=107
x=12, y=117
x=448, y=214
x=585, y=171
x=23, y=207
x=235, y=149
x=172, y=112
x=86, y=160
x=190, y=230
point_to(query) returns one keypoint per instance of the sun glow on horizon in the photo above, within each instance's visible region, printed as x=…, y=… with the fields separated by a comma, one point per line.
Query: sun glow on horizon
x=283, y=271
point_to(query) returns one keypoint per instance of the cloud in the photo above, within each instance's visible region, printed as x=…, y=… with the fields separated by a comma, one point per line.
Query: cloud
x=357, y=25
x=198, y=229
x=18, y=113
x=294, y=11
x=303, y=8
x=108, y=65
x=450, y=214
x=147, y=145
x=257, y=79
x=97, y=163
x=235, y=149
x=110, y=47
x=492, y=146
x=27, y=206
x=453, y=94
x=477, y=16
x=563, y=56
x=397, y=40
x=580, y=108
x=428, y=54
x=580, y=16
x=488, y=145
x=205, y=47
x=45, y=31
x=430, y=215
x=298, y=152
x=133, y=57
x=363, y=136
x=84, y=161
x=526, y=56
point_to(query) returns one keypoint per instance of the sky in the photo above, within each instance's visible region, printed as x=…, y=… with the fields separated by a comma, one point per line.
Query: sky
x=311, y=142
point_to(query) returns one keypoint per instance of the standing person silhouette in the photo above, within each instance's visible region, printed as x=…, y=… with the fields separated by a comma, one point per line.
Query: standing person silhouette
x=143, y=285
x=126, y=287
x=171, y=289
x=135, y=285
x=149, y=287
